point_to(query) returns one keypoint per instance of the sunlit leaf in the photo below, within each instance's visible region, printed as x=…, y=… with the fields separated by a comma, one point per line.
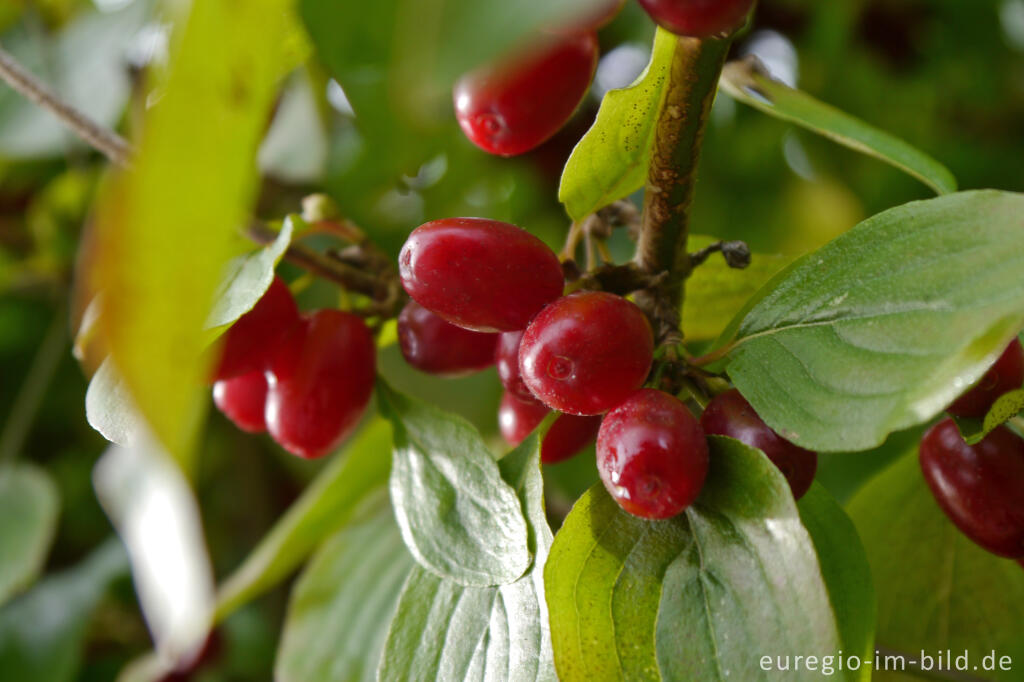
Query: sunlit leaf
x=1006, y=407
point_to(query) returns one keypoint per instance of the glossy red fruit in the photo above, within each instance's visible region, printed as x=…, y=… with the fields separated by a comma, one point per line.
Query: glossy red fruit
x=1006, y=374
x=698, y=18
x=252, y=340
x=434, y=345
x=479, y=274
x=506, y=359
x=652, y=455
x=729, y=414
x=980, y=487
x=592, y=21
x=513, y=106
x=243, y=400
x=320, y=382
x=566, y=437
x=585, y=353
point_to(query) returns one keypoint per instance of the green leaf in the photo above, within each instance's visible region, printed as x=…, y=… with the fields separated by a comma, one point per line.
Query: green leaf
x=1006, y=407
x=747, y=82
x=326, y=505
x=29, y=504
x=341, y=607
x=457, y=516
x=937, y=590
x=443, y=630
x=844, y=565
x=109, y=408
x=715, y=293
x=882, y=328
x=165, y=227
x=690, y=598
x=42, y=632
x=610, y=161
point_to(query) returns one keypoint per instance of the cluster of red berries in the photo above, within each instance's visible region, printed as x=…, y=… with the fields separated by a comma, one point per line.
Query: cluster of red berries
x=981, y=487
x=486, y=291
x=513, y=106
x=305, y=379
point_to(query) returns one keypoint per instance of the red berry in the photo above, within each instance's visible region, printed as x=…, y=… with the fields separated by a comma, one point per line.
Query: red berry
x=320, y=382
x=434, y=345
x=243, y=400
x=511, y=107
x=479, y=274
x=652, y=455
x=1006, y=374
x=251, y=341
x=506, y=359
x=567, y=436
x=980, y=487
x=585, y=353
x=698, y=18
x=595, y=19
x=729, y=414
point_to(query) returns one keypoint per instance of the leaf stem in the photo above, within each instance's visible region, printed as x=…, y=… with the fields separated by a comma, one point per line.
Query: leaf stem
x=112, y=145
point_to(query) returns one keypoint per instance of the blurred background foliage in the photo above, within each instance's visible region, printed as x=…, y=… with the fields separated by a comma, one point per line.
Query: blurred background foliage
x=945, y=75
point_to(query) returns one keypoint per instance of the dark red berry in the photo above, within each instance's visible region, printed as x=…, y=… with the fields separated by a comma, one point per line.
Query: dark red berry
x=592, y=21
x=698, y=18
x=729, y=414
x=513, y=106
x=320, y=382
x=243, y=400
x=479, y=274
x=251, y=341
x=585, y=353
x=1006, y=374
x=652, y=455
x=434, y=345
x=506, y=359
x=980, y=487
x=567, y=436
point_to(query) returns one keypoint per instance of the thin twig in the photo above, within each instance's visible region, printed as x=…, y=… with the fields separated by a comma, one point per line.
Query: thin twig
x=115, y=147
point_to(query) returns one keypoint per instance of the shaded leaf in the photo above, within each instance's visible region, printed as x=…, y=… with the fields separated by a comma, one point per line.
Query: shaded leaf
x=29, y=505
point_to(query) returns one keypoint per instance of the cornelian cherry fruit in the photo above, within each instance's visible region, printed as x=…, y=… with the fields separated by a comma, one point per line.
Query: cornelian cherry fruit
x=566, y=437
x=586, y=352
x=652, y=455
x=979, y=487
x=511, y=107
x=479, y=274
x=729, y=414
x=506, y=359
x=320, y=382
x=698, y=18
x=436, y=346
x=243, y=399
x=1006, y=374
x=251, y=341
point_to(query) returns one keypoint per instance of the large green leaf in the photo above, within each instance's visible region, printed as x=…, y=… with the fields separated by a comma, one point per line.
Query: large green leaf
x=28, y=519
x=326, y=505
x=42, y=631
x=342, y=606
x=445, y=631
x=611, y=160
x=702, y=596
x=937, y=590
x=457, y=516
x=883, y=327
x=747, y=82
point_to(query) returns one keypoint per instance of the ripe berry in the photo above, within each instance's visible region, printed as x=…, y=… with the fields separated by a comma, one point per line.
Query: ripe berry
x=479, y=274
x=511, y=107
x=595, y=19
x=434, y=345
x=506, y=359
x=698, y=18
x=251, y=341
x=652, y=455
x=567, y=436
x=1006, y=374
x=980, y=487
x=242, y=399
x=585, y=353
x=320, y=382
x=729, y=414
